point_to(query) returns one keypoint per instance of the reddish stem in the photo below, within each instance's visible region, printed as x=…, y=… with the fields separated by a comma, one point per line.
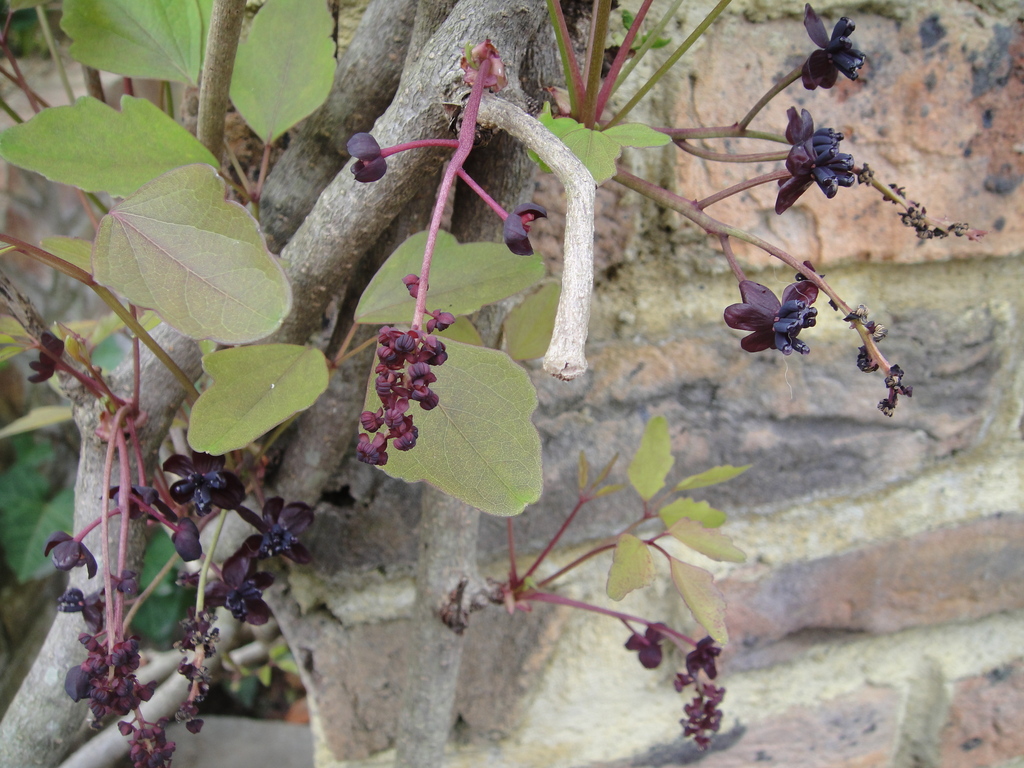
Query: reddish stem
x=554, y=540
x=621, y=57
x=419, y=144
x=491, y=202
x=466, y=135
x=548, y=597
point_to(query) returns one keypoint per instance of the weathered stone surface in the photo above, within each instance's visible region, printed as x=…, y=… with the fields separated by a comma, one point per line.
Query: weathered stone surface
x=985, y=716
x=954, y=574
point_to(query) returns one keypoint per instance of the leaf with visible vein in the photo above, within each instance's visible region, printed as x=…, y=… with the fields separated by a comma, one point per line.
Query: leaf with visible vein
x=478, y=444
x=157, y=39
x=254, y=389
x=199, y=261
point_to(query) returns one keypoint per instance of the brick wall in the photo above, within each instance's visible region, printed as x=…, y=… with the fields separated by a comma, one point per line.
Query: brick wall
x=880, y=618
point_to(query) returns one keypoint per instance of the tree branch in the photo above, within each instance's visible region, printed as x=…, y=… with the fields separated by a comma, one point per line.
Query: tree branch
x=349, y=216
x=565, y=357
x=447, y=561
x=365, y=82
x=215, y=83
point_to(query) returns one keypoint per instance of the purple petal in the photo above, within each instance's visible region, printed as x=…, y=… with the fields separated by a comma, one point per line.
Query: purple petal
x=57, y=537
x=186, y=541
x=205, y=463
x=216, y=593
x=179, y=465
x=803, y=290
x=298, y=553
x=758, y=342
x=515, y=236
x=235, y=569
x=815, y=27
x=297, y=517
x=257, y=612
x=272, y=509
x=789, y=192
x=252, y=519
x=760, y=297
x=363, y=146
x=801, y=126
x=744, y=317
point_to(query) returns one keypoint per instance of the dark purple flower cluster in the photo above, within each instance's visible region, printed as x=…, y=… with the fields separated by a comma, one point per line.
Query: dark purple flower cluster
x=403, y=375
x=517, y=227
x=814, y=158
x=107, y=678
x=149, y=747
x=240, y=589
x=837, y=53
x=775, y=325
x=51, y=348
x=647, y=646
x=703, y=716
x=204, y=482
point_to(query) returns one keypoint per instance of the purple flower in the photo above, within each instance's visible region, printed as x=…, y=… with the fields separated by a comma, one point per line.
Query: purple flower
x=373, y=451
x=205, y=482
x=186, y=541
x=517, y=227
x=279, y=529
x=241, y=590
x=369, y=165
x=703, y=657
x=66, y=552
x=648, y=647
x=837, y=54
x=775, y=325
x=815, y=157
x=51, y=348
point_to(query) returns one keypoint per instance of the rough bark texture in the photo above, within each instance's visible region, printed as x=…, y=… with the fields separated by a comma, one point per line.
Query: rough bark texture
x=225, y=27
x=365, y=81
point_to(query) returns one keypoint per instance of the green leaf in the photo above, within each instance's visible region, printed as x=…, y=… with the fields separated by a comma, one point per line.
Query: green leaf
x=199, y=261
x=478, y=444
x=703, y=597
x=596, y=151
x=462, y=278
x=707, y=541
x=700, y=511
x=653, y=459
x=96, y=148
x=711, y=476
x=158, y=39
x=13, y=338
x=26, y=518
x=583, y=473
x=43, y=416
x=462, y=330
x=632, y=567
x=285, y=68
x=263, y=675
x=529, y=326
x=254, y=389
x=73, y=250
x=637, y=135
x=609, y=489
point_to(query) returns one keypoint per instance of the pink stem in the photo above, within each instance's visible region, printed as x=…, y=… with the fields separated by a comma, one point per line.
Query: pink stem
x=466, y=135
x=483, y=194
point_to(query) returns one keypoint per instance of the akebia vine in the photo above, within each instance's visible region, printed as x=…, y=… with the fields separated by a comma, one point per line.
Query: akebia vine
x=178, y=241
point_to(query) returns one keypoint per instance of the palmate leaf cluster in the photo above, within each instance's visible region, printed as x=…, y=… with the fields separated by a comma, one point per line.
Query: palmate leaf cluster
x=689, y=522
